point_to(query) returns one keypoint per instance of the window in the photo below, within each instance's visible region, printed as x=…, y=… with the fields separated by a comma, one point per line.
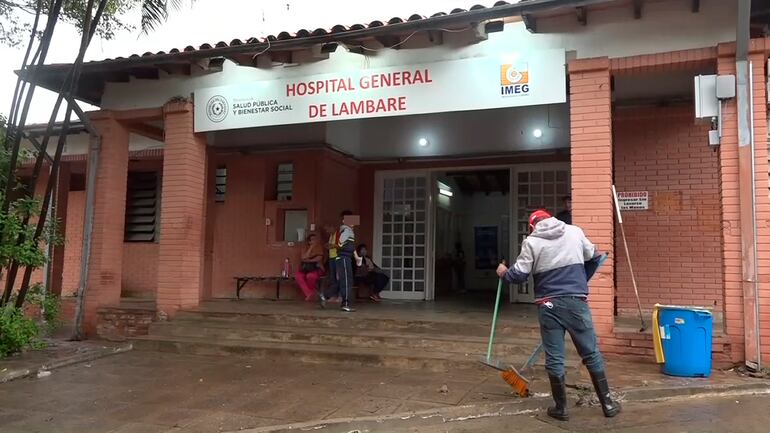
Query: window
x=294, y=225
x=285, y=184
x=142, y=207
x=221, y=184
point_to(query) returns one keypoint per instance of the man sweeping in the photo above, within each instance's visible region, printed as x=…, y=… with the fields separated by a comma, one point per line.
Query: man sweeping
x=555, y=254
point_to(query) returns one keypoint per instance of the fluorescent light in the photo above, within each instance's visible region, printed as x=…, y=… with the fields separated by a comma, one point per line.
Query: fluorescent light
x=446, y=192
x=537, y=132
x=423, y=142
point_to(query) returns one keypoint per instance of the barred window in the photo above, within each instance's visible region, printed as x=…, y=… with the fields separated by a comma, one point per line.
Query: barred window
x=221, y=184
x=142, y=207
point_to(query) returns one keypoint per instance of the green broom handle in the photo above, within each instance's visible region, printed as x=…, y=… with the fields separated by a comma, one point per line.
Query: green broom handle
x=494, y=319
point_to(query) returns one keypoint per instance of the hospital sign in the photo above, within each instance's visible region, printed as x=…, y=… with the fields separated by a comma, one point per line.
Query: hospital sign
x=479, y=83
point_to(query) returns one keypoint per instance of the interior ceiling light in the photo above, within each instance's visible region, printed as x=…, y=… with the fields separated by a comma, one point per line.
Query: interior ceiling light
x=423, y=142
x=537, y=132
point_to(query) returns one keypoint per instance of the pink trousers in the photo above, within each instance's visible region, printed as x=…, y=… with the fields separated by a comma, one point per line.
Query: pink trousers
x=307, y=282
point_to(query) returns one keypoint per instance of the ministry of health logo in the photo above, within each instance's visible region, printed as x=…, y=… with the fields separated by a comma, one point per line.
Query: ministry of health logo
x=216, y=108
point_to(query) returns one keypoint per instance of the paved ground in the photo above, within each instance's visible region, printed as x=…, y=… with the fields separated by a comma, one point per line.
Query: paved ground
x=744, y=414
x=152, y=392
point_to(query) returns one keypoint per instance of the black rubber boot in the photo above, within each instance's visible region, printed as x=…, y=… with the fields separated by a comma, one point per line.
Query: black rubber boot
x=609, y=406
x=559, y=393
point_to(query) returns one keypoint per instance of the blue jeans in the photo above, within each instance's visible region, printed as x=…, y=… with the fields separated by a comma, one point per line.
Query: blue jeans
x=570, y=314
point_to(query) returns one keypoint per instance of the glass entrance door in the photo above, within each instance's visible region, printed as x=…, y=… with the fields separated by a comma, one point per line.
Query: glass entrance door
x=535, y=186
x=401, y=236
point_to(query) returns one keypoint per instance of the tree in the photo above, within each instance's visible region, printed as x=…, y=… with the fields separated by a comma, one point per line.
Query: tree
x=16, y=14
x=20, y=239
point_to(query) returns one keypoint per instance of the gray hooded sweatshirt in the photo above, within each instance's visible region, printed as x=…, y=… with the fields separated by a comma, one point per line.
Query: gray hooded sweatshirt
x=555, y=255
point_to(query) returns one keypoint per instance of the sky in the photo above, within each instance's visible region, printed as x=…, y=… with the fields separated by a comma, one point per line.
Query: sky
x=211, y=21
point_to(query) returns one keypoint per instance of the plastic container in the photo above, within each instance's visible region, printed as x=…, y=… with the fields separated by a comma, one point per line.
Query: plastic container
x=685, y=333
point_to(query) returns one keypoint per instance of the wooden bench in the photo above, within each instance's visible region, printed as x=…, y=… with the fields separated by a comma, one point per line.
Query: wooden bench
x=240, y=282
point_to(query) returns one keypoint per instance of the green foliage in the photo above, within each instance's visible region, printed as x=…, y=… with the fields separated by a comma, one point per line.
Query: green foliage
x=16, y=16
x=17, y=332
x=49, y=305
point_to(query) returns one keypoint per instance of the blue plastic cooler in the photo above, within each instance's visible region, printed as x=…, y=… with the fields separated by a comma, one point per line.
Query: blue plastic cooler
x=686, y=336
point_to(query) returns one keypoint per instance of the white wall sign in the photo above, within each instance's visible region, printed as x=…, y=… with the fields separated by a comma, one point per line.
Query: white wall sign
x=638, y=200
x=516, y=79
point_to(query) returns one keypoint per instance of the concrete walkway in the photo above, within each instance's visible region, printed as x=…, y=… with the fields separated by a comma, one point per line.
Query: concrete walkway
x=153, y=392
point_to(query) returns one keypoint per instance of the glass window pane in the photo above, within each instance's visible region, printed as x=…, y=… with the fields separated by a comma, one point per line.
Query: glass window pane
x=395, y=285
x=400, y=182
x=410, y=181
x=419, y=274
x=419, y=286
x=407, y=286
x=421, y=182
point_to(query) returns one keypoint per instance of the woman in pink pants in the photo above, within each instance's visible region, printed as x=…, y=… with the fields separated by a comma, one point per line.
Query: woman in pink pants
x=312, y=267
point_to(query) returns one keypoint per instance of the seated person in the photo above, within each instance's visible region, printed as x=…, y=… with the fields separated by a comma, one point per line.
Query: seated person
x=367, y=272
x=312, y=267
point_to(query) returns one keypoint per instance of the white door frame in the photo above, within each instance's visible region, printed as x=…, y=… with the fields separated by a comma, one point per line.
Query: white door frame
x=379, y=177
x=513, y=296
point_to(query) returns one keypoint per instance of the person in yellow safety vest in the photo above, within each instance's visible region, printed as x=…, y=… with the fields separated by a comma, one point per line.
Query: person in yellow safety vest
x=333, y=289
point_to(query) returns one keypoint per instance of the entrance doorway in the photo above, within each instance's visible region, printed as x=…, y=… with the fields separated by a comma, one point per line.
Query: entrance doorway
x=472, y=231
x=440, y=233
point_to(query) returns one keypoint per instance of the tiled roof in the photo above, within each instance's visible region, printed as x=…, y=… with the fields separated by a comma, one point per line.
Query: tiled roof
x=336, y=30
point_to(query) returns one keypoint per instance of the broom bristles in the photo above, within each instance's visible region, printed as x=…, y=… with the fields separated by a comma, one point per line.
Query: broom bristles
x=517, y=382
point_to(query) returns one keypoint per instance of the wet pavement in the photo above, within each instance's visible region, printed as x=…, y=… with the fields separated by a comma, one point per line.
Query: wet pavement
x=155, y=392
x=727, y=414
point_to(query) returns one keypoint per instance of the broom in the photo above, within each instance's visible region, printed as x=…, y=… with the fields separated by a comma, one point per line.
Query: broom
x=508, y=373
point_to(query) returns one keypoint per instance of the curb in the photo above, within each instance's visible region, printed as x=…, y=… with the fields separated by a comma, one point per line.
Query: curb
x=66, y=361
x=515, y=407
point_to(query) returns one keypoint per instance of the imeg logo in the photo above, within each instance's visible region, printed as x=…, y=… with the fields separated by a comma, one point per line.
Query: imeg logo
x=514, y=79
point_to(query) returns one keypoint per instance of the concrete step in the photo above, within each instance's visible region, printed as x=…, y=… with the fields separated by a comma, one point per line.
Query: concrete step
x=353, y=322
x=226, y=331
x=313, y=353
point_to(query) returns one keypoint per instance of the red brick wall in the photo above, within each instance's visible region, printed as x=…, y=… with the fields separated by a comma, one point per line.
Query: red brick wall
x=591, y=161
x=73, y=242
x=105, y=265
x=339, y=188
x=140, y=269
x=183, y=212
x=675, y=246
x=241, y=244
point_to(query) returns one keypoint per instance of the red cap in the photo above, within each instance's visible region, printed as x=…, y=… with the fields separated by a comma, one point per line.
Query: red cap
x=537, y=216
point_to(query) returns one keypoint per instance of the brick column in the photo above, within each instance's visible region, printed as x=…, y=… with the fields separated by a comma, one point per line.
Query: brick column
x=106, y=262
x=591, y=162
x=735, y=319
x=182, y=215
